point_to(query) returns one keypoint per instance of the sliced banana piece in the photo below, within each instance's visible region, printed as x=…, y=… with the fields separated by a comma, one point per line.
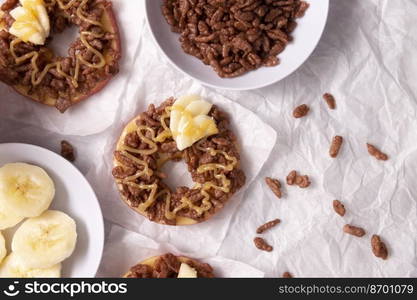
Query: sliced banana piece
x=178, y=109
x=8, y=219
x=13, y=267
x=46, y=240
x=3, y=251
x=25, y=190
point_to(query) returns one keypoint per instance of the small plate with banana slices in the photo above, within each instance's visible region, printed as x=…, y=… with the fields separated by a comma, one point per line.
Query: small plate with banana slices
x=51, y=223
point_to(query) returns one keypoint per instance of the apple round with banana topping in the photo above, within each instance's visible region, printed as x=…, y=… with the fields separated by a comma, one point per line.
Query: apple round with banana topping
x=30, y=66
x=170, y=266
x=189, y=129
x=46, y=238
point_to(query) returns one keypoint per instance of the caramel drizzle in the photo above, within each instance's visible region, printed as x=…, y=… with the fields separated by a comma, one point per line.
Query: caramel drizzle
x=206, y=204
x=216, y=168
x=35, y=79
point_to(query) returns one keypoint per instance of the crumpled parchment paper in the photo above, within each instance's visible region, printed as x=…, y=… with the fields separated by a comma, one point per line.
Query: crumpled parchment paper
x=366, y=58
x=140, y=248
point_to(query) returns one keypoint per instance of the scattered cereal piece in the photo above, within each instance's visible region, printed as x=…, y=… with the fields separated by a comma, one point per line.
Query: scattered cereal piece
x=331, y=102
x=376, y=153
x=291, y=177
x=378, y=247
x=67, y=151
x=303, y=181
x=339, y=208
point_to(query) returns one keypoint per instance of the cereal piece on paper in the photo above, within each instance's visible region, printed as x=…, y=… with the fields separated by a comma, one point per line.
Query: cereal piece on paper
x=354, y=230
x=67, y=151
x=275, y=186
x=301, y=111
x=291, y=177
x=378, y=247
x=330, y=100
x=375, y=152
x=339, y=208
x=335, y=146
x=302, y=181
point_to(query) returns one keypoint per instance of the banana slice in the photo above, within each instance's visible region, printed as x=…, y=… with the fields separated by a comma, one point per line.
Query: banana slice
x=25, y=190
x=46, y=240
x=8, y=219
x=39, y=10
x=190, y=122
x=3, y=251
x=13, y=267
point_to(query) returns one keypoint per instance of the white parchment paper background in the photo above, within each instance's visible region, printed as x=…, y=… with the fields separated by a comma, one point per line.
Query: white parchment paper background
x=366, y=58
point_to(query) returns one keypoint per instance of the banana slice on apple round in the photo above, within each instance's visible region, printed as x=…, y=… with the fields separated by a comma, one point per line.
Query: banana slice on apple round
x=3, y=251
x=8, y=219
x=13, y=267
x=45, y=241
x=25, y=190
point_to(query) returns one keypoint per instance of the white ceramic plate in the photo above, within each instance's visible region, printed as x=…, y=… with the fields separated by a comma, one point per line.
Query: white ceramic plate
x=75, y=197
x=306, y=37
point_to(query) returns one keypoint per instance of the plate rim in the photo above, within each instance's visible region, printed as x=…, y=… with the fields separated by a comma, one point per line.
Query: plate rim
x=263, y=85
x=96, y=264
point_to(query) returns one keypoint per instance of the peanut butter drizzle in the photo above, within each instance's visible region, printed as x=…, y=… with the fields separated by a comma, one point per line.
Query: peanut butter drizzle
x=36, y=80
x=167, y=132
x=146, y=171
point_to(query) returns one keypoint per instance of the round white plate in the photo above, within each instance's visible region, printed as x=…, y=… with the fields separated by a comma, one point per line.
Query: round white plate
x=306, y=37
x=75, y=197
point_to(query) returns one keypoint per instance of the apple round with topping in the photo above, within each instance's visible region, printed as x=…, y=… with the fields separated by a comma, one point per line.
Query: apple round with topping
x=31, y=67
x=189, y=129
